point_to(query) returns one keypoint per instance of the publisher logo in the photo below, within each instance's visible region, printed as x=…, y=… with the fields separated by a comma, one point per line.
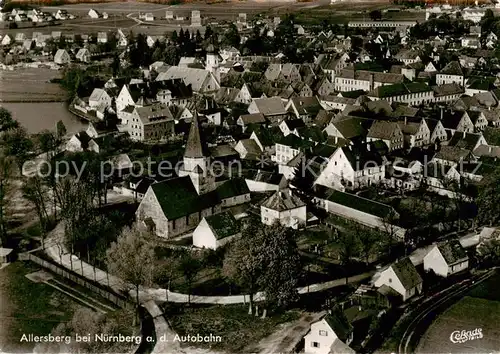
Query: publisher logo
x=465, y=336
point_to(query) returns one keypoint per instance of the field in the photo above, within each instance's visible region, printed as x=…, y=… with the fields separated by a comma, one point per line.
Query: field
x=30, y=85
x=480, y=309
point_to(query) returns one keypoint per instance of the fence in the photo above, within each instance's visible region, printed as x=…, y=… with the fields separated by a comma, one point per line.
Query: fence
x=119, y=300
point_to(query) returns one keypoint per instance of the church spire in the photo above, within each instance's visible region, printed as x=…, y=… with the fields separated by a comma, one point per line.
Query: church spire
x=194, y=147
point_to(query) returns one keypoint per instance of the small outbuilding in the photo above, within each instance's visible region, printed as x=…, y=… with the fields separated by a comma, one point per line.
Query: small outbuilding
x=216, y=230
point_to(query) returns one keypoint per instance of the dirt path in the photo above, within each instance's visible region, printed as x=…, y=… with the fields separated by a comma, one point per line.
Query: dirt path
x=287, y=337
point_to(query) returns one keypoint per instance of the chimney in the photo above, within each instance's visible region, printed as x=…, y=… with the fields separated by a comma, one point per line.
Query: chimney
x=441, y=113
x=464, y=134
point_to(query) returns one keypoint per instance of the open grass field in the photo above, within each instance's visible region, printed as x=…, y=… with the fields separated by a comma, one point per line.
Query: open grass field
x=479, y=309
x=27, y=307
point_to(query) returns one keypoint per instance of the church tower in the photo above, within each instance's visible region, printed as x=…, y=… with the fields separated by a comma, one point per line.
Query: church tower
x=212, y=62
x=197, y=160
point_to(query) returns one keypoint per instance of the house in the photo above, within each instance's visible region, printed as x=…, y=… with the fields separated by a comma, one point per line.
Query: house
x=272, y=108
x=388, y=132
x=283, y=72
x=415, y=133
x=468, y=141
x=352, y=166
x=436, y=130
x=83, y=55
x=215, y=231
x=62, y=57
x=332, y=64
x=102, y=37
x=288, y=147
x=246, y=119
x=200, y=80
x=151, y=122
x=437, y=175
x=352, y=80
x=100, y=97
x=447, y=92
x=245, y=94
x=248, y=149
x=413, y=93
x=408, y=56
x=330, y=335
x=304, y=108
x=94, y=14
x=284, y=207
x=452, y=72
x=361, y=210
x=233, y=192
x=291, y=126
x=446, y=259
x=336, y=102
x=6, y=40
x=478, y=119
x=401, y=276
x=457, y=121
x=346, y=130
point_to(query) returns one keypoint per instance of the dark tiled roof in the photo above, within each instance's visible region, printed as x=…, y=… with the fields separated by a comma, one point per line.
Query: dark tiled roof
x=233, y=188
x=453, y=252
x=339, y=324
x=283, y=200
x=407, y=273
x=223, y=225
x=359, y=203
x=178, y=198
x=452, y=68
x=464, y=140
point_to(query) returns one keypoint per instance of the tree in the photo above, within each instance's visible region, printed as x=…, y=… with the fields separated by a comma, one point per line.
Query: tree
x=390, y=229
x=47, y=142
x=35, y=192
x=368, y=239
x=5, y=177
x=132, y=257
x=487, y=201
x=348, y=249
x=232, y=37
x=18, y=144
x=115, y=65
x=489, y=252
x=189, y=266
x=242, y=264
x=376, y=15
x=60, y=130
x=281, y=265
x=6, y=120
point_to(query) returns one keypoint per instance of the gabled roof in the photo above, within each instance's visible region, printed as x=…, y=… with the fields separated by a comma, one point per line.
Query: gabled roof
x=448, y=89
x=232, y=188
x=154, y=113
x=270, y=106
x=356, y=202
x=178, y=198
x=399, y=89
x=407, y=273
x=251, y=147
x=283, y=200
x=452, y=68
x=463, y=140
x=339, y=324
x=223, y=225
x=384, y=130
x=254, y=118
x=452, y=252
x=350, y=127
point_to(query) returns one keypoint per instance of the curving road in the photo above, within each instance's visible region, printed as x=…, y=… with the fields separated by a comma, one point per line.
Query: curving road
x=431, y=306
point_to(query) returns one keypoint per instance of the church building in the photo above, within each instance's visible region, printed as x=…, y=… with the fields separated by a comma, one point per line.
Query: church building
x=177, y=205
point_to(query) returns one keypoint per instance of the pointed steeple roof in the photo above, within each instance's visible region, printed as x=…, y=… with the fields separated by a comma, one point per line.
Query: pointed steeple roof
x=194, y=146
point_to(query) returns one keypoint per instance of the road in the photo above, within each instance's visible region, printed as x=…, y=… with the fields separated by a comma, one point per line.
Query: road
x=426, y=312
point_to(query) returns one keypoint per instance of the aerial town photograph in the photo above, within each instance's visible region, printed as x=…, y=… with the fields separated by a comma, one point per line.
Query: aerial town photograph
x=250, y=176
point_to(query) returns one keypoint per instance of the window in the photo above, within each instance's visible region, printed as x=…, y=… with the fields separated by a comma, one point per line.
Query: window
x=323, y=333
x=390, y=280
x=315, y=344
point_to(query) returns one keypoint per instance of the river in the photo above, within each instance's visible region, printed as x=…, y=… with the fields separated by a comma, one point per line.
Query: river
x=36, y=117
